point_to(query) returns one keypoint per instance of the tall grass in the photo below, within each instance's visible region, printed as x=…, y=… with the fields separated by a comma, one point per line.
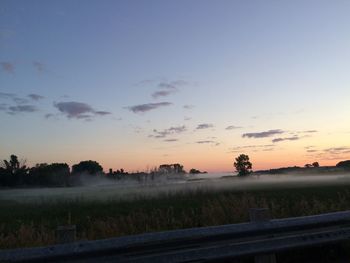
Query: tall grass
x=34, y=224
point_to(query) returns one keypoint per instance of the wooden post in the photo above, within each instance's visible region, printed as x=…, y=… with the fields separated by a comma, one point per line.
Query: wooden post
x=65, y=234
x=260, y=215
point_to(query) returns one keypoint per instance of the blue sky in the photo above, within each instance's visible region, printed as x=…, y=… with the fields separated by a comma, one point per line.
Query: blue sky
x=127, y=83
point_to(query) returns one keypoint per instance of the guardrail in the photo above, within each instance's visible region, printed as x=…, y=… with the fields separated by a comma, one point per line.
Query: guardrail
x=260, y=238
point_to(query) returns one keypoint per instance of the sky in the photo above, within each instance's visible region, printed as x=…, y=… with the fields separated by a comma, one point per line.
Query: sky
x=137, y=83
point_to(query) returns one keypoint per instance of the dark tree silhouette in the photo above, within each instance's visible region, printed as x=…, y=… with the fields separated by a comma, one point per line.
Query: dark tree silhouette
x=13, y=165
x=13, y=172
x=178, y=168
x=171, y=168
x=194, y=171
x=119, y=174
x=344, y=164
x=315, y=164
x=89, y=167
x=243, y=165
x=55, y=174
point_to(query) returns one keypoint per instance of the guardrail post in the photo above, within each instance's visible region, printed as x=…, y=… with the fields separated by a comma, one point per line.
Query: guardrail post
x=259, y=215
x=65, y=234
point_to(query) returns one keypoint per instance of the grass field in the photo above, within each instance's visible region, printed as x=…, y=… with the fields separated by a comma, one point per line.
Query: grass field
x=34, y=223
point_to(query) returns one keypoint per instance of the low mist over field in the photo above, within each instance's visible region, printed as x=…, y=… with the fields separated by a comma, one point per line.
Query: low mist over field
x=105, y=190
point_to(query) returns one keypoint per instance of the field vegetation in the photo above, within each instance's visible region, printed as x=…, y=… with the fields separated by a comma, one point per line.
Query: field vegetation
x=118, y=203
x=26, y=224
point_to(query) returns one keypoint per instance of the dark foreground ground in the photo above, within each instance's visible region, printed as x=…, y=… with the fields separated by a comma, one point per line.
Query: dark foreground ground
x=32, y=223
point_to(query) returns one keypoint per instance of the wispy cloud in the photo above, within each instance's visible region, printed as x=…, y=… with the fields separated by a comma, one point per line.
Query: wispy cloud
x=171, y=140
x=168, y=88
x=172, y=84
x=78, y=110
x=309, y=147
x=268, y=150
x=208, y=142
x=4, y=95
x=188, y=107
x=40, y=67
x=20, y=100
x=168, y=85
x=310, y=131
x=49, y=115
x=333, y=153
x=204, y=126
x=102, y=113
x=74, y=109
x=7, y=67
x=147, y=107
x=232, y=127
x=146, y=82
x=254, y=148
x=35, y=97
x=21, y=108
x=137, y=129
x=311, y=151
x=21, y=104
x=167, y=132
x=294, y=138
x=263, y=134
x=337, y=150
x=204, y=142
x=3, y=106
x=162, y=93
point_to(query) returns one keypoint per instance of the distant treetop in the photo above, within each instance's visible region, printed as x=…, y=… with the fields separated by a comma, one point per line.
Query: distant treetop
x=344, y=164
x=90, y=167
x=243, y=165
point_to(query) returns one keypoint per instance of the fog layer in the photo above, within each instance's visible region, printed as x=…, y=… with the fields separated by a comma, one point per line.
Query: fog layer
x=104, y=190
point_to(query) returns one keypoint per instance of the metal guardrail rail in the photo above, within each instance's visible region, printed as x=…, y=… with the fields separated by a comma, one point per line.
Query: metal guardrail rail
x=198, y=244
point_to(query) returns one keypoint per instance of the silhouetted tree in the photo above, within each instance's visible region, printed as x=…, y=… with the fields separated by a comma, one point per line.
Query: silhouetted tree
x=119, y=174
x=178, y=168
x=13, y=165
x=243, y=165
x=344, y=164
x=55, y=174
x=307, y=165
x=165, y=168
x=89, y=167
x=171, y=168
x=194, y=171
x=13, y=172
x=315, y=164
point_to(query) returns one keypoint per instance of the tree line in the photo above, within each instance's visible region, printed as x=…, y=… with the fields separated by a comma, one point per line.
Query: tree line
x=15, y=173
x=244, y=167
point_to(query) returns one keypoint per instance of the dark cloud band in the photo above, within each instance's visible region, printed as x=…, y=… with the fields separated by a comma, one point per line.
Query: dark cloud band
x=294, y=138
x=204, y=126
x=262, y=134
x=78, y=110
x=232, y=127
x=148, y=107
x=35, y=97
x=166, y=132
x=21, y=108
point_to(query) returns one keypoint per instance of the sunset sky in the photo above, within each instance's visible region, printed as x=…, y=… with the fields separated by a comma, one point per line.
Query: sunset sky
x=135, y=84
